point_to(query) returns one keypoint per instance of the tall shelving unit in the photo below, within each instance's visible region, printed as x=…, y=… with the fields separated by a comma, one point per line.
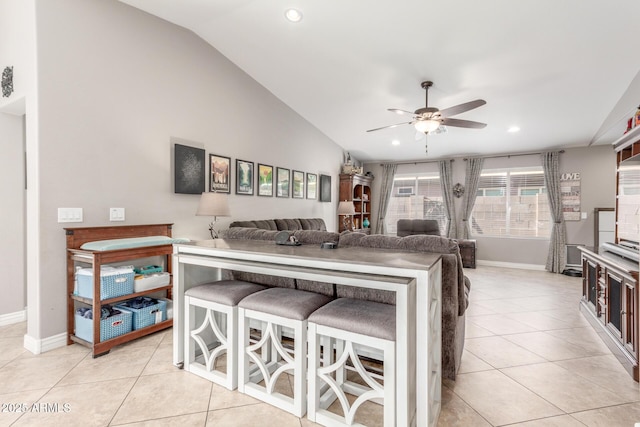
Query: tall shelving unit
x=76, y=237
x=356, y=188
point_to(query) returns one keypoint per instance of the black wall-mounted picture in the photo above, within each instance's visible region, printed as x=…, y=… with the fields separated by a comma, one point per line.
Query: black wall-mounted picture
x=189, y=169
x=219, y=173
x=282, y=182
x=244, y=177
x=325, y=188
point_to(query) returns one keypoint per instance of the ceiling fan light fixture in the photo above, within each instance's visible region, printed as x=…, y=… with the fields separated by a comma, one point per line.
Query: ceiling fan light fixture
x=427, y=125
x=293, y=15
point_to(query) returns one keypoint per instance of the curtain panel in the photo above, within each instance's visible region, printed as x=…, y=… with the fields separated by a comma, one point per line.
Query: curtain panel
x=471, y=181
x=557, y=257
x=446, y=183
x=388, y=173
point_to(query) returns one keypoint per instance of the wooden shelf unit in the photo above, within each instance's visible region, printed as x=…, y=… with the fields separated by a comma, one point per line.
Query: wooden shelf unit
x=76, y=237
x=356, y=188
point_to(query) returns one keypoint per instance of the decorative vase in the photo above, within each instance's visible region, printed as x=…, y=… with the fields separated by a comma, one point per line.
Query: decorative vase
x=365, y=223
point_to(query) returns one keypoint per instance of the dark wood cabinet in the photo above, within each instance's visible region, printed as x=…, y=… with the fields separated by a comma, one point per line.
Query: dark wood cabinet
x=356, y=188
x=610, y=303
x=468, y=252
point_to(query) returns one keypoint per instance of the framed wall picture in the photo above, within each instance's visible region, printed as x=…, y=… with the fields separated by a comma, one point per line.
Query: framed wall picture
x=312, y=186
x=325, y=188
x=265, y=180
x=244, y=177
x=298, y=185
x=282, y=182
x=189, y=169
x=219, y=173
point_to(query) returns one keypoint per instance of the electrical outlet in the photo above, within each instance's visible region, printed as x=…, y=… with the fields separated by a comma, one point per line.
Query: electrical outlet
x=116, y=214
x=69, y=214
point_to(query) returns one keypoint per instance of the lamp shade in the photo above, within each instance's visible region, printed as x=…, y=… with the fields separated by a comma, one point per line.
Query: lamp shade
x=346, y=208
x=426, y=125
x=213, y=204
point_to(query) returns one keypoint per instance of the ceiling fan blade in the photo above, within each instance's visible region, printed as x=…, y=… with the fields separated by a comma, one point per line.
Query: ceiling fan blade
x=390, y=126
x=399, y=111
x=461, y=108
x=463, y=123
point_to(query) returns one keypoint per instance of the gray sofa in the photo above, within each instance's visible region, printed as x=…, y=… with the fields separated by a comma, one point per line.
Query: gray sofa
x=290, y=224
x=455, y=286
x=409, y=227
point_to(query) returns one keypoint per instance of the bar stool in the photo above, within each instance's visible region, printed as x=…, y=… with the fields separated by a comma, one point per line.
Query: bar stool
x=356, y=325
x=265, y=361
x=218, y=333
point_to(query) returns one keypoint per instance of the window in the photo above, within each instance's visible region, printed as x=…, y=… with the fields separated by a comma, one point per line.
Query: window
x=416, y=197
x=512, y=203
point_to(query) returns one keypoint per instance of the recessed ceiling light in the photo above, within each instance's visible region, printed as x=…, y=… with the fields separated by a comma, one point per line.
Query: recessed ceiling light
x=395, y=142
x=293, y=15
x=513, y=129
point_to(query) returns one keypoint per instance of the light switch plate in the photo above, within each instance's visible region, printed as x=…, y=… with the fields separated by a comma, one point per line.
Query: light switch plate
x=116, y=214
x=583, y=215
x=69, y=214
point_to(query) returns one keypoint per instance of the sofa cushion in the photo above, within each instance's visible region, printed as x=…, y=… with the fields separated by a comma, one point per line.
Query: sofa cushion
x=288, y=224
x=408, y=227
x=248, y=233
x=313, y=224
x=316, y=237
x=249, y=224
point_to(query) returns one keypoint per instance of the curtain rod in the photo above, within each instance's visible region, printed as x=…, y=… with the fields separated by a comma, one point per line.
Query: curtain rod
x=511, y=155
x=416, y=162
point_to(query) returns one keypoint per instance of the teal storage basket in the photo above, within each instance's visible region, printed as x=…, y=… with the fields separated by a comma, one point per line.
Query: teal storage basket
x=143, y=317
x=111, y=327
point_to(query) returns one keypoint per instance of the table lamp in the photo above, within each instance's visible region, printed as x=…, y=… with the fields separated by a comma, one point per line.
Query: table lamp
x=346, y=209
x=215, y=205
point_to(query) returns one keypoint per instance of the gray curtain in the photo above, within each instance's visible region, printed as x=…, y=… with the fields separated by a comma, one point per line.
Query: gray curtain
x=446, y=183
x=388, y=172
x=471, y=181
x=556, y=259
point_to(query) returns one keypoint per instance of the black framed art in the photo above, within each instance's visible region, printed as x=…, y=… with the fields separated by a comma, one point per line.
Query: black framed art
x=265, y=180
x=297, y=191
x=219, y=173
x=189, y=169
x=312, y=186
x=325, y=188
x=244, y=177
x=282, y=182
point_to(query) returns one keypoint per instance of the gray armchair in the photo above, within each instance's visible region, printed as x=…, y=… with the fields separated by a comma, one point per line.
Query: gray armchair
x=408, y=227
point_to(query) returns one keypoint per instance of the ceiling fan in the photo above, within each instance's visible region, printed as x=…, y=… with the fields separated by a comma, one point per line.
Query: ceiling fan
x=429, y=119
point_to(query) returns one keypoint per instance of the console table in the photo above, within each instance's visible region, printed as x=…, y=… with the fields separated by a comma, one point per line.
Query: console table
x=414, y=277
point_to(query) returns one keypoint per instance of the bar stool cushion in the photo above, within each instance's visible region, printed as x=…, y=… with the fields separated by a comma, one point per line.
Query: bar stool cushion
x=284, y=302
x=363, y=317
x=227, y=292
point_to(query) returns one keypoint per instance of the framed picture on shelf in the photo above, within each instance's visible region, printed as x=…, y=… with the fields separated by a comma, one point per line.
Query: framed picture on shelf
x=298, y=185
x=325, y=188
x=189, y=169
x=219, y=173
x=244, y=177
x=282, y=182
x=312, y=186
x=265, y=180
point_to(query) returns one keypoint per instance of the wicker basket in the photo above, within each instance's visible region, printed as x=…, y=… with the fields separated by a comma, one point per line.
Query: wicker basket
x=147, y=316
x=114, y=282
x=111, y=327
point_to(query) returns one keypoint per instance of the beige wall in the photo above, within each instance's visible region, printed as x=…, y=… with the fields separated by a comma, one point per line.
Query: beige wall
x=116, y=88
x=596, y=166
x=12, y=225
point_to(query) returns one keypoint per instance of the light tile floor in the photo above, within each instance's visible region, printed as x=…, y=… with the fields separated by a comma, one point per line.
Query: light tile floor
x=530, y=359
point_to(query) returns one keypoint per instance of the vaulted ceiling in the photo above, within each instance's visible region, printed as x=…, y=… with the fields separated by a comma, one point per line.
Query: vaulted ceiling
x=564, y=72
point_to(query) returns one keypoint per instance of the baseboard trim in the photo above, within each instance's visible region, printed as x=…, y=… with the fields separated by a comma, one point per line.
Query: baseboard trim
x=11, y=318
x=37, y=346
x=511, y=265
